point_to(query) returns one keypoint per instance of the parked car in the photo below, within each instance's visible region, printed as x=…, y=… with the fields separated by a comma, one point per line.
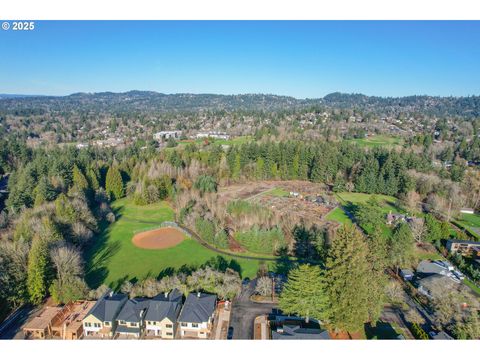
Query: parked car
x=230, y=333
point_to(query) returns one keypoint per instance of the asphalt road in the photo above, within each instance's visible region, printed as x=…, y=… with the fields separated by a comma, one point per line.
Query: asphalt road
x=245, y=311
x=11, y=328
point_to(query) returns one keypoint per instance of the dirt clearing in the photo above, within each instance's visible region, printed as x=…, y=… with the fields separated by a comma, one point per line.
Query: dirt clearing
x=162, y=238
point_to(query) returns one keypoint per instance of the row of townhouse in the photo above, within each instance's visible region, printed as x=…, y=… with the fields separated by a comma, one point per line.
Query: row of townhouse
x=114, y=315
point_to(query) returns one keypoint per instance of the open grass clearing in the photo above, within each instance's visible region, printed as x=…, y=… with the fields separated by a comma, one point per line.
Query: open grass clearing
x=378, y=141
x=338, y=215
x=113, y=258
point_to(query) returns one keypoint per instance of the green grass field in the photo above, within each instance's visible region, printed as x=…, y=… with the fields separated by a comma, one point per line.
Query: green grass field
x=378, y=140
x=387, y=203
x=338, y=215
x=113, y=258
x=471, y=222
x=232, y=141
x=277, y=192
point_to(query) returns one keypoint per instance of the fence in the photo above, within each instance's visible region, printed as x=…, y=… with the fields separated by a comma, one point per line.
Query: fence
x=165, y=224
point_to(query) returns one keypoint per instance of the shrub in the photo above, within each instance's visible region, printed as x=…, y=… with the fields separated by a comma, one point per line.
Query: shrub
x=262, y=241
x=206, y=229
x=418, y=332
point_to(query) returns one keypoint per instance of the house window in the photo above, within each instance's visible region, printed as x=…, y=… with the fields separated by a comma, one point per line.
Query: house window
x=195, y=325
x=169, y=326
x=184, y=324
x=123, y=322
x=169, y=334
x=107, y=323
x=88, y=324
x=133, y=324
x=98, y=325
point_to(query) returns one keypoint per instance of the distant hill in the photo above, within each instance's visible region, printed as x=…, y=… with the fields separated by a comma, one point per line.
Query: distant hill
x=13, y=96
x=148, y=101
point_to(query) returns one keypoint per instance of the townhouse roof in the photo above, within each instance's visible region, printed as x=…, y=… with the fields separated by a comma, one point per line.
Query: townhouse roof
x=198, y=308
x=107, y=307
x=133, y=310
x=164, y=306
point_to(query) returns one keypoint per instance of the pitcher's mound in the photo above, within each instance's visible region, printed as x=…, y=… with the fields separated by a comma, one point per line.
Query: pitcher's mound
x=162, y=238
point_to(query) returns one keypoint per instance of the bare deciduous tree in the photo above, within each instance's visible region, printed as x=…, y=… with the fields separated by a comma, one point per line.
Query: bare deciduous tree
x=264, y=286
x=417, y=226
x=67, y=260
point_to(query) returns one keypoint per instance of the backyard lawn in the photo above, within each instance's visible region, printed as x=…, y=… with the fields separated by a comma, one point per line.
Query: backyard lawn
x=113, y=258
x=470, y=222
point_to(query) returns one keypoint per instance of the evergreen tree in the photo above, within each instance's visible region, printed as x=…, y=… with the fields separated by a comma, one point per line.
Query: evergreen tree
x=349, y=280
x=79, y=180
x=93, y=179
x=304, y=293
x=43, y=191
x=114, y=184
x=377, y=257
x=39, y=271
x=64, y=209
x=205, y=184
x=433, y=229
x=401, y=246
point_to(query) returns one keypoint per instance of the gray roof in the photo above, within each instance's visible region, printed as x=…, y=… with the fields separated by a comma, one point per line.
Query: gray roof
x=165, y=306
x=198, y=308
x=107, y=307
x=427, y=267
x=469, y=242
x=298, y=333
x=438, y=282
x=133, y=310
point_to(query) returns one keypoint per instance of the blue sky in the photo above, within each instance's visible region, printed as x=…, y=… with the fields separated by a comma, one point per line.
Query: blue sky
x=301, y=59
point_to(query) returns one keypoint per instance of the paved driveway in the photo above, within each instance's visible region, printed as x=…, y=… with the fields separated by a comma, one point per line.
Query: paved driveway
x=245, y=311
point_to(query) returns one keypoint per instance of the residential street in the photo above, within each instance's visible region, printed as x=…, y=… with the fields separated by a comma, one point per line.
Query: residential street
x=11, y=328
x=245, y=311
